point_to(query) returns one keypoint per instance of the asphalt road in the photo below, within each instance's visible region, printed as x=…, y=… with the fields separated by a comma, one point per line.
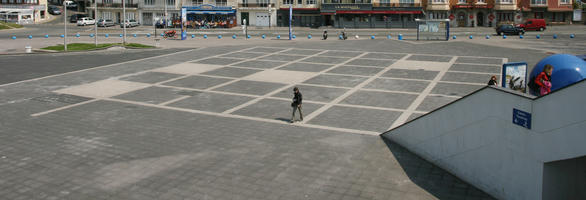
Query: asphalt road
x=15, y=68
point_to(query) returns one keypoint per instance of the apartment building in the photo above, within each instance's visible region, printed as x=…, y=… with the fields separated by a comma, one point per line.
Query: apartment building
x=257, y=12
x=371, y=13
x=23, y=11
x=306, y=13
x=112, y=9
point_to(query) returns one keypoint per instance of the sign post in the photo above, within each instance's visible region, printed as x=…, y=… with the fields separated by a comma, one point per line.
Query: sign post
x=183, y=25
x=290, y=19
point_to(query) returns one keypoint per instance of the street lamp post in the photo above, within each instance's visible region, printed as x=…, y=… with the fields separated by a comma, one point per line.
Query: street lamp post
x=65, y=27
x=270, y=13
x=165, y=20
x=124, y=22
x=96, y=22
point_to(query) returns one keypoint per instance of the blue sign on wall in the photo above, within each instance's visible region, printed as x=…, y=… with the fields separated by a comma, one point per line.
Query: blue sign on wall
x=522, y=118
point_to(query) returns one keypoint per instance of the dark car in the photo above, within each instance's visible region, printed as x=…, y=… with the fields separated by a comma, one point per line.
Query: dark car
x=54, y=10
x=75, y=17
x=509, y=29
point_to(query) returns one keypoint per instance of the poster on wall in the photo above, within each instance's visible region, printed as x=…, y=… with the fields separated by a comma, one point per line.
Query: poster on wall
x=183, y=23
x=577, y=15
x=514, y=76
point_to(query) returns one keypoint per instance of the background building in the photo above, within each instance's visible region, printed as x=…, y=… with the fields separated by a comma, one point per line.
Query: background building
x=23, y=11
x=257, y=12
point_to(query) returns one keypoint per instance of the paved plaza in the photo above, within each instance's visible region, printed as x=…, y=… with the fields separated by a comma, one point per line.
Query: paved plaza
x=213, y=123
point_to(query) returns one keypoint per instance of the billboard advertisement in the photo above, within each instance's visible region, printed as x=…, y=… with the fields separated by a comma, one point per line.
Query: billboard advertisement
x=514, y=76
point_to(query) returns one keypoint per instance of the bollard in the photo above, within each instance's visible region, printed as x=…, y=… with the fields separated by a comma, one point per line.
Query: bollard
x=30, y=37
x=263, y=36
x=133, y=35
x=205, y=36
x=487, y=37
x=400, y=37
x=453, y=37
x=248, y=36
x=372, y=37
x=234, y=36
x=278, y=36
x=77, y=35
x=28, y=49
x=470, y=37
x=538, y=36
x=572, y=36
x=219, y=36
x=504, y=36
x=148, y=35
x=46, y=36
x=121, y=35
x=92, y=35
x=309, y=36
x=13, y=37
x=389, y=37
x=162, y=35
x=356, y=36
x=62, y=36
x=192, y=36
x=107, y=35
x=293, y=36
x=555, y=36
x=521, y=36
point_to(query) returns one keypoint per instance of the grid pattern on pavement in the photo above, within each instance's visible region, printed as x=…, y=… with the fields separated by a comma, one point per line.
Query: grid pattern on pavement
x=337, y=85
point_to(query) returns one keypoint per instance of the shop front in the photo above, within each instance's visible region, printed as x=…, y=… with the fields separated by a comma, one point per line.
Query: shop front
x=367, y=16
x=210, y=16
x=304, y=17
x=22, y=14
x=473, y=15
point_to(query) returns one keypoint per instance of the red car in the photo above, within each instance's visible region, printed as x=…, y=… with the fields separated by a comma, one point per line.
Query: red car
x=533, y=25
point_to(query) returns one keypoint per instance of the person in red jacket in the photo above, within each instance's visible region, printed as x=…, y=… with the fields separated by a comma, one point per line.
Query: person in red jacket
x=544, y=80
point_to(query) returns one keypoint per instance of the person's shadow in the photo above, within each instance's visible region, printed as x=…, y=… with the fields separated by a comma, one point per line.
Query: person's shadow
x=283, y=119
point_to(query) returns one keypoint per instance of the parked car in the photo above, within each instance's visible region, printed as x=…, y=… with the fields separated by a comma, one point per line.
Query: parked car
x=509, y=29
x=533, y=25
x=70, y=5
x=105, y=23
x=75, y=17
x=129, y=23
x=54, y=10
x=85, y=21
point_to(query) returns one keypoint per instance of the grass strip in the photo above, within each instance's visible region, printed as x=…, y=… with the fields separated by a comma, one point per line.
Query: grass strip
x=91, y=46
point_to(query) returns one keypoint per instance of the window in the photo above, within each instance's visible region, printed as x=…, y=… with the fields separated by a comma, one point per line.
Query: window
x=108, y=1
x=461, y=1
x=299, y=2
x=244, y=3
x=149, y=2
x=287, y=1
x=564, y=1
x=170, y=2
x=196, y=2
x=221, y=2
x=437, y=1
x=130, y=16
x=309, y=2
x=407, y=1
x=506, y=1
x=385, y=1
x=106, y=15
x=480, y=1
x=539, y=2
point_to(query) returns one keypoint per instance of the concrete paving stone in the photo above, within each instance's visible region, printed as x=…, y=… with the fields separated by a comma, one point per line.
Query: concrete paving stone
x=219, y=61
x=301, y=52
x=306, y=67
x=476, y=68
x=250, y=87
x=150, y=77
x=313, y=93
x=243, y=55
x=467, y=77
x=152, y=95
x=264, y=50
x=431, y=103
x=102, y=88
x=384, y=56
x=187, y=68
x=380, y=99
x=197, y=82
x=372, y=63
x=231, y=72
x=355, y=70
x=336, y=80
x=430, y=58
x=61, y=98
x=281, y=57
x=397, y=85
x=260, y=64
x=411, y=74
x=454, y=89
x=280, y=76
x=491, y=61
x=414, y=116
x=325, y=60
x=342, y=53
x=275, y=109
x=356, y=118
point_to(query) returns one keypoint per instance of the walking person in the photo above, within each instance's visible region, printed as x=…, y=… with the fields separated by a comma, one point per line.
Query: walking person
x=493, y=81
x=296, y=104
x=543, y=80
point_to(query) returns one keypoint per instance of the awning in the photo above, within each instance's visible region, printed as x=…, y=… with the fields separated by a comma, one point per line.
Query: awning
x=211, y=12
x=378, y=12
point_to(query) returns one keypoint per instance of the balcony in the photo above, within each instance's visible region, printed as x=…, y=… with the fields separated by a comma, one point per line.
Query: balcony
x=403, y=5
x=346, y=2
x=505, y=5
x=255, y=5
x=117, y=5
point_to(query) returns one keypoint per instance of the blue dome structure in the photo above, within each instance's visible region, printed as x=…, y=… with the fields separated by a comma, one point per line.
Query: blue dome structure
x=567, y=69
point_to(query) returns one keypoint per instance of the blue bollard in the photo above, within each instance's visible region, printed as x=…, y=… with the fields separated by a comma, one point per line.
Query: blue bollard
x=248, y=36
x=46, y=36
x=538, y=36
x=400, y=37
x=13, y=37
x=233, y=36
x=62, y=36
x=278, y=36
x=293, y=36
x=162, y=35
x=133, y=35
x=572, y=36
x=521, y=36
x=205, y=36
x=192, y=36
x=453, y=37
x=470, y=37
x=107, y=35
x=555, y=36
x=219, y=36
x=372, y=37
x=30, y=37
x=309, y=36
x=504, y=36
x=77, y=35
x=92, y=35
x=264, y=36
x=148, y=35
x=389, y=37
x=121, y=35
x=487, y=37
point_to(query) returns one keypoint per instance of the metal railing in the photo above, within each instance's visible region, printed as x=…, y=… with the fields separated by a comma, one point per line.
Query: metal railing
x=255, y=5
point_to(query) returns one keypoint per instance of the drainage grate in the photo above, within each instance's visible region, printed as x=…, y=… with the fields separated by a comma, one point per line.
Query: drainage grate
x=62, y=98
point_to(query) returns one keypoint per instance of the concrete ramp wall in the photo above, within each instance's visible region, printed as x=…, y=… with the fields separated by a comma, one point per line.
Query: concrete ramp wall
x=475, y=139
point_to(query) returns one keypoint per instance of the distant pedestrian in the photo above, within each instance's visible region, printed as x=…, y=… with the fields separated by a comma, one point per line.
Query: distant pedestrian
x=296, y=104
x=493, y=81
x=325, y=36
x=544, y=80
